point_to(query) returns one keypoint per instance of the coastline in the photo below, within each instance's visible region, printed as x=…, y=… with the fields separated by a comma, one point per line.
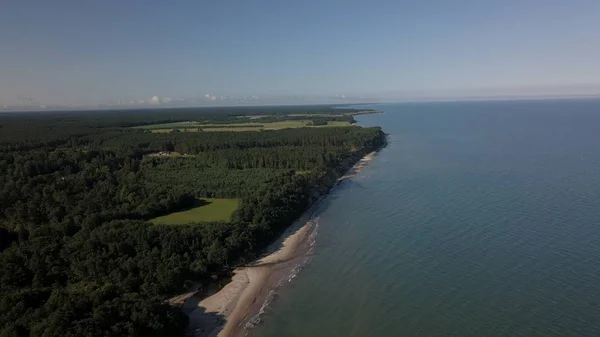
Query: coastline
x=242, y=301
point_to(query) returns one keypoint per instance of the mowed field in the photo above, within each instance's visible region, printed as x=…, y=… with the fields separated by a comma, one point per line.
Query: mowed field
x=251, y=126
x=208, y=210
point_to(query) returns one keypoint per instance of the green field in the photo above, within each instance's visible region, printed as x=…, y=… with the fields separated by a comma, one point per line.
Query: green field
x=207, y=210
x=300, y=172
x=251, y=126
x=315, y=115
x=167, y=125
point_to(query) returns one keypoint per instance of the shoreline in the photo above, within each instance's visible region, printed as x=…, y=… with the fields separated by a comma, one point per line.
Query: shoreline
x=240, y=304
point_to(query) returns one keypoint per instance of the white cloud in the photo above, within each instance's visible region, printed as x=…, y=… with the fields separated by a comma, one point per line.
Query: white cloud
x=24, y=98
x=154, y=100
x=210, y=97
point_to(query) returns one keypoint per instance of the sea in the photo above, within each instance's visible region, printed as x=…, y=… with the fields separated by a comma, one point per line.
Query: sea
x=478, y=219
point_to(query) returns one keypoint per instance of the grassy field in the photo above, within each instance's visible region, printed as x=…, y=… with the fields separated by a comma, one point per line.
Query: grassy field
x=253, y=117
x=170, y=155
x=207, y=210
x=299, y=172
x=167, y=125
x=315, y=115
x=251, y=126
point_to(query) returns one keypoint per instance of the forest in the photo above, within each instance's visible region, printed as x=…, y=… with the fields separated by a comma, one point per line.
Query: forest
x=78, y=255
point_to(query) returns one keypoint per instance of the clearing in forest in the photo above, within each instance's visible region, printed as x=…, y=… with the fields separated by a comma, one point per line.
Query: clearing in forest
x=205, y=210
x=250, y=126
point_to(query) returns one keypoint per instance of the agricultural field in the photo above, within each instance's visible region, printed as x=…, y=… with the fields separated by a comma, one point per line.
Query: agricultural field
x=206, y=210
x=315, y=115
x=250, y=126
x=168, y=125
x=301, y=172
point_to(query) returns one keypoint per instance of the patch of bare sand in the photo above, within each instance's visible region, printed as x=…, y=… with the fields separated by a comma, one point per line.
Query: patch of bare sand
x=235, y=299
x=358, y=167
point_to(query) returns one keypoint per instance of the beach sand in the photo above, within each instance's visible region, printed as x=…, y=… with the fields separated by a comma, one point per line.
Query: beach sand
x=226, y=313
x=358, y=167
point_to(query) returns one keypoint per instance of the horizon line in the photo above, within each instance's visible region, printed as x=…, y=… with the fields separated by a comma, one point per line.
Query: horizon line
x=59, y=108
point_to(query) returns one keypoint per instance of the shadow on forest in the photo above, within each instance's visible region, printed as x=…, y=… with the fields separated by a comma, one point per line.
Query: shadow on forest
x=186, y=206
x=196, y=203
x=201, y=323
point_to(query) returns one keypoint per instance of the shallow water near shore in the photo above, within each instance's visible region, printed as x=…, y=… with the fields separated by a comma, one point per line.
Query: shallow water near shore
x=477, y=219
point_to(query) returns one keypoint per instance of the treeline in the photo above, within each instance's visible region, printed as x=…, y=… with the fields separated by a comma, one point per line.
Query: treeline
x=196, y=142
x=26, y=130
x=188, y=176
x=77, y=255
x=281, y=157
x=66, y=188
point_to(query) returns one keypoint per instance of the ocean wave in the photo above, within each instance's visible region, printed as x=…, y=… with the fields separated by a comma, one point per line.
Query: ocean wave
x=256, y=319
x=294, y=272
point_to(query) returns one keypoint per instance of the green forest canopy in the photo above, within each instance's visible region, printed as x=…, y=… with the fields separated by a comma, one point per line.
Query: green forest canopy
x=77, y=190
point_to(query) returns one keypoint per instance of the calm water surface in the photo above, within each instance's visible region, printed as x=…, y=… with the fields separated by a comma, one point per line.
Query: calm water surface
x=479, y=219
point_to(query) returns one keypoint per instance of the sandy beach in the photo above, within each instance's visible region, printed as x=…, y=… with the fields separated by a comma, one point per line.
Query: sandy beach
x=227, y=312
x=358, y=167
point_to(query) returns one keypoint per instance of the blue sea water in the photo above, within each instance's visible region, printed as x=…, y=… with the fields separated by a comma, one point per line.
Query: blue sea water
x=478, y=219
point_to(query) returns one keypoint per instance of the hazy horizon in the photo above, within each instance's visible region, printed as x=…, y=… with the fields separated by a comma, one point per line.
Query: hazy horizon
x=153, y=53
x=474, y=99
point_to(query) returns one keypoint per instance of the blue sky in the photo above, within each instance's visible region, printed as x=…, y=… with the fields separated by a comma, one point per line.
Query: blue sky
x=89, y=52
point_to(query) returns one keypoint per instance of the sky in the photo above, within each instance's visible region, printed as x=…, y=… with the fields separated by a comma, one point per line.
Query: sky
x=223, y=51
